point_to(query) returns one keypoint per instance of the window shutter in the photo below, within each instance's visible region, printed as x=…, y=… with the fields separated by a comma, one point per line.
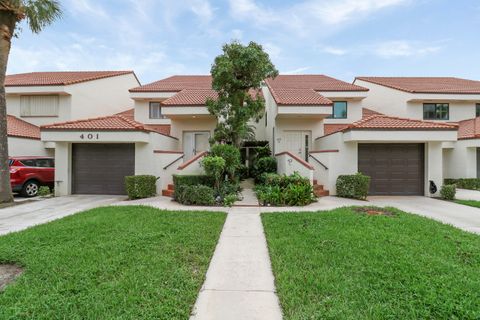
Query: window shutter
x=39, y=106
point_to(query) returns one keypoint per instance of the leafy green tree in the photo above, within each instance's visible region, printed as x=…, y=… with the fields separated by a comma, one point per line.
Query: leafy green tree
x=237, y=76
x=38, y=14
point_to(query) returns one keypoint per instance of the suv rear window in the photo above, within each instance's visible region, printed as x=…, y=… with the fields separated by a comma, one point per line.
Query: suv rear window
x=28, y=162
x=10, y=162
x=39, y=163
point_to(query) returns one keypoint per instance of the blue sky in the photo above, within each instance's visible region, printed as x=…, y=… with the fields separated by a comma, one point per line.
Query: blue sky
x=340, y=38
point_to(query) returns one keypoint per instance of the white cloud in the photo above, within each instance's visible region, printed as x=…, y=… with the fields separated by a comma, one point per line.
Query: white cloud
x=296, y=71
x=272, y=50
x=404, y=48
x=333, y=50
x=202, y=9
x=237, y=34
x=87, y=7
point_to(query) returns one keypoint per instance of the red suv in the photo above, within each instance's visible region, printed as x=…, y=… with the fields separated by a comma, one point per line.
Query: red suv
x=27, y=174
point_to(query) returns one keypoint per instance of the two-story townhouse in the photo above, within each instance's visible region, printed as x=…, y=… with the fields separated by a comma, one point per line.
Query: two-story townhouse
x=316, y=125
x=40, y=98
x=171, y=127
x=445, y=99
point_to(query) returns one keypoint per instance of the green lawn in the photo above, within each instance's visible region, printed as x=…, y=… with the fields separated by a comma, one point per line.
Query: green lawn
x=471, y=203
x=345, y=265
x=110, y=263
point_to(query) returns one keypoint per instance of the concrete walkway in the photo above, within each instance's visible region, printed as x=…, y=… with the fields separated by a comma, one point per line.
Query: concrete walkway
x=464, y=194
x=248, y=195
x=239, y=282
x=26, y=215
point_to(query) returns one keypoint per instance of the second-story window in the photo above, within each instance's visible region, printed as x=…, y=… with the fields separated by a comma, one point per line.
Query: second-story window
x=39, y=106
x=156, y=110
x=436, y=111
x=339, y=110
x=477, y=110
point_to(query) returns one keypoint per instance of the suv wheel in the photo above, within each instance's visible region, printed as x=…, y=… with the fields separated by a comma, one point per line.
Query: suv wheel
x=30, y=189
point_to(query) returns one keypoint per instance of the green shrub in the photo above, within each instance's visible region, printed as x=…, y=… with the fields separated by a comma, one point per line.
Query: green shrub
x=44, y=191
x=242, y=172
x=264, y=165
x=353, y=186
x=195, y=195
x=228, y=187
x=230, y=154
x=142, y=186
x=230, y=199
x=280, y=190
x=189, y=180
x=214, y=167
x=465, y=183
x=298, y=194
x=448, y=191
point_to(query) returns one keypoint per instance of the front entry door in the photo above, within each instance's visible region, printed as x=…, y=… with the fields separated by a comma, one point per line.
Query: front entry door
x=298, y=143
x=194, y=143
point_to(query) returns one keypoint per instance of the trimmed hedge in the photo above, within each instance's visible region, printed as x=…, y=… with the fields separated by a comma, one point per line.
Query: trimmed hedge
x=448, y=191
x=142, y=186
x=190, y=180
x=465, y=183
x=353, y=186
x=280, y=190
x=195, y=195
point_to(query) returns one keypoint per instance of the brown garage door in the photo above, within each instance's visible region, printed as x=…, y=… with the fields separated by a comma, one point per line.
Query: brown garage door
x=395, y=169
x=101, y=168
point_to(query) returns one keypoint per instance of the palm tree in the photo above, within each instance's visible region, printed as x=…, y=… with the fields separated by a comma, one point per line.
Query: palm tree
x=38, y=14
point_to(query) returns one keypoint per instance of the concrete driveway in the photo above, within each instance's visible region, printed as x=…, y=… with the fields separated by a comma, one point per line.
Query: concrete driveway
x=25, y=215
x=464, y=194
x=460, y=216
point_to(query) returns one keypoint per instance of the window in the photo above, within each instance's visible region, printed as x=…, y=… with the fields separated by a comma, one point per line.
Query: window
x=435, y=111
x=45, y=163
x=477, y=110
x=39, y=106
x=339, y=110
x=156, y=110
x=29, y=162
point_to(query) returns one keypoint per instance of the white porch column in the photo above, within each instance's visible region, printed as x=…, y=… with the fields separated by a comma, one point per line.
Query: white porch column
x=63, y=164
x=434, y=166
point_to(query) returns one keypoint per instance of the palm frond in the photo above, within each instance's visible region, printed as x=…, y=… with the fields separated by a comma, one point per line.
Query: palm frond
x=41, y=13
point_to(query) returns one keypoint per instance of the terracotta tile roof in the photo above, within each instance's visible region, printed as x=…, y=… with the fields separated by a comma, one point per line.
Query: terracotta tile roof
x=130, y=113
x=177, y=83
x=449, y=85
x=191, y=97
x=301, y=97
x=330, y=128
x=316, y=82
x=109, y=123
x=368, y=112
x=58, y=78
x=303, y=89
x=469, y=129
x=21, y=129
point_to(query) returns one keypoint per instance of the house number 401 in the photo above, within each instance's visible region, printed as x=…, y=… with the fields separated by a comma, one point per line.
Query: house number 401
x=89, y=136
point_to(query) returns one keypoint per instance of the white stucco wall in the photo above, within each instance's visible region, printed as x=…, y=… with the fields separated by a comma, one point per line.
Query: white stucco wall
x=288, y=165
x=28, y=147
x=354, y=111
x=142, y=112
x=399, y=103
x=82, y=100
x=461, y=160
x=180, y=125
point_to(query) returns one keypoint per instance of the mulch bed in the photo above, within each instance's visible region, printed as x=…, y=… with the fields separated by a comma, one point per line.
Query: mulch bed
x=372, y=211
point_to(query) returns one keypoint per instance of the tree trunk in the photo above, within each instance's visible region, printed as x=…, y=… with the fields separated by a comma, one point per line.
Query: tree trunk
x=7, y=28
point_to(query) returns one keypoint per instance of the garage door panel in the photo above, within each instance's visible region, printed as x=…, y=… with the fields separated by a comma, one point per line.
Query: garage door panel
x=101, y=168
x=395, y=169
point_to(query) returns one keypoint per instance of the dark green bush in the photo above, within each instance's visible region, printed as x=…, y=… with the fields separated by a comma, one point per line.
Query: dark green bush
x=353, y=186
x=142, y=186
x=278, y=190
x=44, y=191
x=448, y=191
x=264, y=165
x=465, y=183
x=189, y=180
x=195, y=195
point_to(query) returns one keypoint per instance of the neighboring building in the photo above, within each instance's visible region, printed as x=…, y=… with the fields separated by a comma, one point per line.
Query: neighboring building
x=435, y=99
x=41, y=98
x=405, y=134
